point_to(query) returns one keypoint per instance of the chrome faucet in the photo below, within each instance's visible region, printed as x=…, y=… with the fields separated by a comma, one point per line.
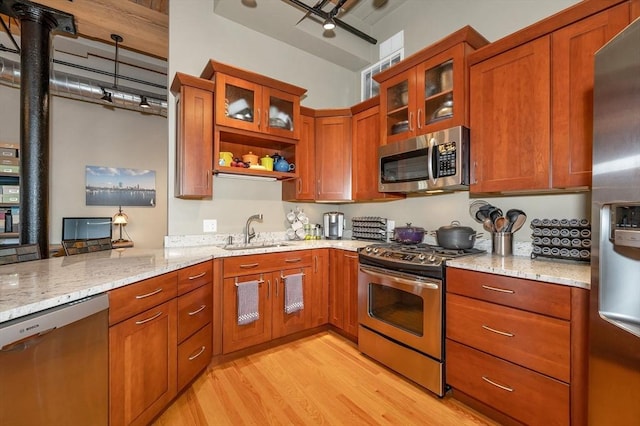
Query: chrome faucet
x=248, y=235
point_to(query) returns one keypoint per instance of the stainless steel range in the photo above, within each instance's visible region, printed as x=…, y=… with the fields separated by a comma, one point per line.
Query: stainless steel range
x=401, y=309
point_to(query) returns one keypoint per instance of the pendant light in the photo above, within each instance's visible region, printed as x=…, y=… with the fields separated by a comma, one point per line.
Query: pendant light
x=106, y=96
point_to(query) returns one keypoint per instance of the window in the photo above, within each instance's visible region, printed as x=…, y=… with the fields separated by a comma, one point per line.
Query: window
x=369, y=86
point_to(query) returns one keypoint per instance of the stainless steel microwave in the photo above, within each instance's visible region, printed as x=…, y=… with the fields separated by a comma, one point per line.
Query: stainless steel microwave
x=433, y=162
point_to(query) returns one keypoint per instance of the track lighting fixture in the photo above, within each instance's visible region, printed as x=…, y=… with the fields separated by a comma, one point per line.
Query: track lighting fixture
x=143, y=102
x=329, y=23
x=106, y=96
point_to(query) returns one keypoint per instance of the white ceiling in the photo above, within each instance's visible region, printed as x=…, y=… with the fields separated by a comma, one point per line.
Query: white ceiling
x=291, y=24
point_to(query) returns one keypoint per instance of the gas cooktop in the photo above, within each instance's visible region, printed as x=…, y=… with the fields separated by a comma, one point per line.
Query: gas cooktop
x=422, y=259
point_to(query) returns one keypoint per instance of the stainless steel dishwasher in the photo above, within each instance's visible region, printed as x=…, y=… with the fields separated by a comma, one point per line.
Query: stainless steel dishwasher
x=54, y=366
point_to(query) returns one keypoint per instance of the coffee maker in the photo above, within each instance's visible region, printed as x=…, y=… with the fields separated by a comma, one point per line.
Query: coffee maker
x=333, y=225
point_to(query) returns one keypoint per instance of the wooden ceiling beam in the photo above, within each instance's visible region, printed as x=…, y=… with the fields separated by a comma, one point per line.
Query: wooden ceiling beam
x=142, y=29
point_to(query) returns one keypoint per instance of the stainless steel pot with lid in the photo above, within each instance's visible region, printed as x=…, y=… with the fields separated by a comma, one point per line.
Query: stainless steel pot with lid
x=455, y=236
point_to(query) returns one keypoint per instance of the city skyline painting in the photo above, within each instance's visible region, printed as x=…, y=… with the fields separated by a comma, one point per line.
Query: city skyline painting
x=113, y=186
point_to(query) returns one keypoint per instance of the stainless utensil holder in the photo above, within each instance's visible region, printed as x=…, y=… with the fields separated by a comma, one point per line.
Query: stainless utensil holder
x=502, y=243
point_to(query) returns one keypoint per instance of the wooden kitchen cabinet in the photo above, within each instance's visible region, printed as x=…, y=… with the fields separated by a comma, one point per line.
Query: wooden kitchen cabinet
x=273, y=322
x=142, y=349
x=319, y=309
x=194, y=136
x=249, y=101
x=365, y=140
x=253, y=113
x=515, y=345
x=333, y=155
x=303, y=188
x=428, y=91
x=195, y=316
x=531, y=101
x=343, y=292
x=160, y=339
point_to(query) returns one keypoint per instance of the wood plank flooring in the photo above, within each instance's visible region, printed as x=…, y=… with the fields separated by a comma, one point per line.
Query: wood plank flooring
x=319, y=380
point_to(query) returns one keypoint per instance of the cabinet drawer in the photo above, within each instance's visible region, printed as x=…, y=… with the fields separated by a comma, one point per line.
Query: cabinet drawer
x=527, y=396
x=194, y=276
x=531, y=340
x=194, y=311
x=194, y=356
x=243, y=265
x=132, y=299
x=548, y=299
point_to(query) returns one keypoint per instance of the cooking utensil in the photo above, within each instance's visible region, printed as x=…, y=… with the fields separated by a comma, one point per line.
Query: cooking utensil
x=487, y=224
x=513, y=216
x=474, y=210
x=519, y=222
x=455, y=236
x=408, y=234
x=501, y=223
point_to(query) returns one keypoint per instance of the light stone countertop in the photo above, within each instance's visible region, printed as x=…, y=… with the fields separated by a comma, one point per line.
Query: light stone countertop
x=30, y=287
x=569, y=273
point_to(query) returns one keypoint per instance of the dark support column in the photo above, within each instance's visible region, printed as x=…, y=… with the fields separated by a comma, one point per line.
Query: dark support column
x=36, y=25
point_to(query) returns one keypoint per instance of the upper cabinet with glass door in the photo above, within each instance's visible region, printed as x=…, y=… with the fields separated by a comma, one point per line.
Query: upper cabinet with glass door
x=427, y=91
x=249, y=101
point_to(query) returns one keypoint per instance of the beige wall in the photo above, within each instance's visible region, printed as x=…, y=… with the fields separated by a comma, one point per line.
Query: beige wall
x=84, y=134
x=197, y=34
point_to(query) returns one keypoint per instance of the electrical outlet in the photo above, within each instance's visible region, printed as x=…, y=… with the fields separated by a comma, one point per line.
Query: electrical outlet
x=209, y=225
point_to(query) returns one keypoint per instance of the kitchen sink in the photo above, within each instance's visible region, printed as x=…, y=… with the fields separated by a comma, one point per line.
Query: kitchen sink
x=251, y=246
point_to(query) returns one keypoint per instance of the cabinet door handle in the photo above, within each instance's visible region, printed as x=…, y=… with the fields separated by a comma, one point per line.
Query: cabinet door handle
x=259, y=118
x=299, y=185
x=315, y=264
x=277, y=283
x=268, y=289
x=249, y=265
x=195, y=277
x=206, y=178
x=351, y=256
x=200, y=309
x=149, y=319
x=411, y=121
x=501, y=290
x=192, y=357
x=493, y=330
x=294, y=260
x=142, y=296
x=498, y=385
x=419, y=118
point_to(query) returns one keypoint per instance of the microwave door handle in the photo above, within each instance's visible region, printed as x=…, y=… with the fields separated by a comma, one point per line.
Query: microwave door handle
x=432, y=178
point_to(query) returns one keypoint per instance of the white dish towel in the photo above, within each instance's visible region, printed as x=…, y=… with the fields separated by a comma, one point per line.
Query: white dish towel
x=293, y=294
x=248, y=302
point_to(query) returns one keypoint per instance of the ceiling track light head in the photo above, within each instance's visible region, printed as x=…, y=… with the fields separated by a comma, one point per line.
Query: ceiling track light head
x=144, y=103
x=106, y=96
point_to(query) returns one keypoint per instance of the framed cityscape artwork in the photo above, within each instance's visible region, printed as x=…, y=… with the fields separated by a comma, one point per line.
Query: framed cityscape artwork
x=111, y=186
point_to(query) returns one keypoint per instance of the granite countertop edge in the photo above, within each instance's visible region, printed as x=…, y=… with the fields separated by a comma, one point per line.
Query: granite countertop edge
x=574, y=274
x=31, y=287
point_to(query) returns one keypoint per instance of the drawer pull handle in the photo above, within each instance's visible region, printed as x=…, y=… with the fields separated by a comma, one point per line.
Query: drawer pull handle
x=294, y=260
x=192, y=357
x=493, y=330
x=249, y=265
x=501, y=290
x=149, y=319
x=142, y=296
x=498, y=385
x=195, y=277
x=200, y=309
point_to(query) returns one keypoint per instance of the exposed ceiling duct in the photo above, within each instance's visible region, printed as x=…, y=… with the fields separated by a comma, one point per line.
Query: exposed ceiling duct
x=85, y=89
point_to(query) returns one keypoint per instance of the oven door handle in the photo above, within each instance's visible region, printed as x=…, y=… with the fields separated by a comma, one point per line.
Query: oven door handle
x=401, y=280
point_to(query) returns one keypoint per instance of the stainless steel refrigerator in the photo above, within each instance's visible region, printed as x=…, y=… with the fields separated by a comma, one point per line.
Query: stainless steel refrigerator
x=614, y=318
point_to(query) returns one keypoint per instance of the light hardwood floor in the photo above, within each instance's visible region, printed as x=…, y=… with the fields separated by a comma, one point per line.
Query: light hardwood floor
x=319, y=380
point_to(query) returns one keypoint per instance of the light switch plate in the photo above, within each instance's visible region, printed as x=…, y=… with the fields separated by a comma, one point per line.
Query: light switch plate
x=209, y=225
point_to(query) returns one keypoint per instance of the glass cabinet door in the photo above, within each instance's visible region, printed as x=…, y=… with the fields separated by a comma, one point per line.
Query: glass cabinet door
x=397, y=98
x=240, y=105
x=438, y=95
x=282, y=112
